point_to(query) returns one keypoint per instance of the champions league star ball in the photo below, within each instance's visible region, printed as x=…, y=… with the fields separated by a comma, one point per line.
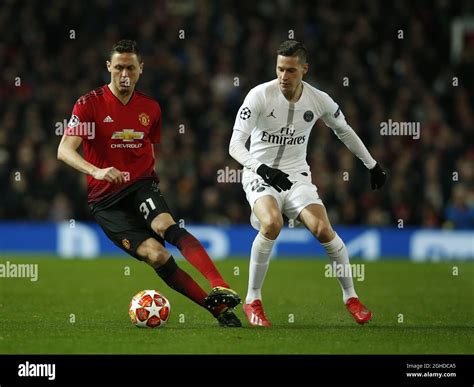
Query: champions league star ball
x=149, y=309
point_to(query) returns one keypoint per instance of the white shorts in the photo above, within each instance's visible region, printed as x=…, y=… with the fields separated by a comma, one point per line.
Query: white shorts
x=301, y=194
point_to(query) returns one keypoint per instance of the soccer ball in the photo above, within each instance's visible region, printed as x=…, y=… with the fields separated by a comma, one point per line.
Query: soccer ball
x=149, y=309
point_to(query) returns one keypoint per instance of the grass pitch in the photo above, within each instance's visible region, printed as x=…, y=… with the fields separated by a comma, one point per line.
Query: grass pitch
x=79, y=306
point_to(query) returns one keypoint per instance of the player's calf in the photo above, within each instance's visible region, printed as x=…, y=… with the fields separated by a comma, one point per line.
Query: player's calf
x=154, y=254
x=195, y=253
x=182, y=282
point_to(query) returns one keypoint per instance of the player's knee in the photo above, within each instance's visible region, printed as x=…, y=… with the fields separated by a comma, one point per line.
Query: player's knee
x=271, y=225
x=157, y=258
x=323, y=232
x=153, y=253
x=161, y=223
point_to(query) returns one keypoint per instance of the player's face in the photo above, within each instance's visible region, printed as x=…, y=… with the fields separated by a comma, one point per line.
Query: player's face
x=124, y=70
x=290, y=72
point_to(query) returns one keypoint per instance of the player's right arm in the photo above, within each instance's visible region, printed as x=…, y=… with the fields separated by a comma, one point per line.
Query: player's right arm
x=245, y=122
x=67, y=152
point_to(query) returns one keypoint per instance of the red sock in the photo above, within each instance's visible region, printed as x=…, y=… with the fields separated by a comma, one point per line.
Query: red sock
x=193, y=251
x=182, y=282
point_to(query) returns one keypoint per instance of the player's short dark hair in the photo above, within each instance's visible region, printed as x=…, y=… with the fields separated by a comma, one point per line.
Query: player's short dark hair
x=293, y=48
x=125, y=45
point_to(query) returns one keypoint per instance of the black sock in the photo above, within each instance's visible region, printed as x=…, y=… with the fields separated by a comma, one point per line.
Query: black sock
x=177, y=279
x=174, y=234
x=168, y=269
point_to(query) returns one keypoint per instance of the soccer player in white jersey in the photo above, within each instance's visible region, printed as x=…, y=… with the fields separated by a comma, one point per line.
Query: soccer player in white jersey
x=278, y=117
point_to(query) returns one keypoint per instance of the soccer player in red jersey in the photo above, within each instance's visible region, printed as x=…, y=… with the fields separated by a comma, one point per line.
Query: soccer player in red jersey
x=117, y=127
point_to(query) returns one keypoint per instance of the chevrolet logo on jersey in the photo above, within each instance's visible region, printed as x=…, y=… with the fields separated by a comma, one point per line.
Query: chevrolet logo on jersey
x=128, y=135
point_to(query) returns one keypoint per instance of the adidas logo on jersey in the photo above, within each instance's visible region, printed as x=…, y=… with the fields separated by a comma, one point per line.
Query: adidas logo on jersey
x=108, y=119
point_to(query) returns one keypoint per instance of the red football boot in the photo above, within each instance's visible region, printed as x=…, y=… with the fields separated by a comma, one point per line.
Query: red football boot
x=360, y=313
x=255, y=314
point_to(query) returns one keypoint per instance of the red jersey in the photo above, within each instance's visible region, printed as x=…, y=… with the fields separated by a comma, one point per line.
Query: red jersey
x=116, y=135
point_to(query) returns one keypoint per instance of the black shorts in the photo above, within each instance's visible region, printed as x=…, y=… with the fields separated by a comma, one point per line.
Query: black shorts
x=127, y=222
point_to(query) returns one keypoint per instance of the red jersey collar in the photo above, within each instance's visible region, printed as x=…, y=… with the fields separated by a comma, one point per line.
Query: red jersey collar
x=107, y=89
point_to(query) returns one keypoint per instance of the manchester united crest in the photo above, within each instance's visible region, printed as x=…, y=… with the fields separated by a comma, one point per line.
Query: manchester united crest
x=144, y=119
x=126, y=243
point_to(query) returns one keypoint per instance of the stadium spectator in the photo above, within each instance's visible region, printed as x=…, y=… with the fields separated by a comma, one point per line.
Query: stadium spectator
x=205, y=58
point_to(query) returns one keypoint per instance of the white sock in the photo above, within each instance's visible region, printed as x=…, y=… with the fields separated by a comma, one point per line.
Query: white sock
x=259, y=261
x=337, y=252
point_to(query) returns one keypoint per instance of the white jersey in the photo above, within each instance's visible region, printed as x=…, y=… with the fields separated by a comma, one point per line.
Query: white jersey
x=279, y=130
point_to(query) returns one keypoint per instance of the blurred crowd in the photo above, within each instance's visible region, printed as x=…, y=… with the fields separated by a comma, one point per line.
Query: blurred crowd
x=202, y=57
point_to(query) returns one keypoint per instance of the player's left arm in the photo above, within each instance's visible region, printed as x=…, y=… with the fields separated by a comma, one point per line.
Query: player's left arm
x=155, y=133
x=155, y=130
x=334, y=118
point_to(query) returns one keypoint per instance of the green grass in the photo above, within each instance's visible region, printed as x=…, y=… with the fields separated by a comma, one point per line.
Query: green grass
x=437, y=310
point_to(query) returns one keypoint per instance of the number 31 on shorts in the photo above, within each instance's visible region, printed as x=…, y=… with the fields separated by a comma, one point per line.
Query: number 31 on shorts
x=144, y=207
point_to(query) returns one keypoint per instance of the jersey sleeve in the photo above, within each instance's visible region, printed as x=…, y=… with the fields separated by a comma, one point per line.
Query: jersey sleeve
x=80, y=122
x=332, y=114
x=240, y=153
x=155, y=131
x=249, y=112
x=334, y=118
